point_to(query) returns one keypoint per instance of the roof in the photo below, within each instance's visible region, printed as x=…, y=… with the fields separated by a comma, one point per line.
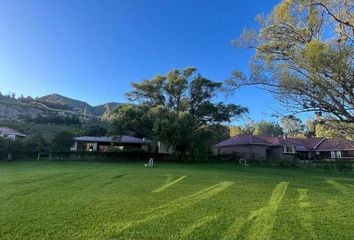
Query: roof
x=335, y=144
x=248, y=140
x=116, y=139
x=5, y=131
x=301, y=144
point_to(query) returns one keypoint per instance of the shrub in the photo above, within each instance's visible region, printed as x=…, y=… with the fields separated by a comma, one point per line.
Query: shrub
x=287, y=163
x=34, y=143
x=344, y=167
x=63, y=141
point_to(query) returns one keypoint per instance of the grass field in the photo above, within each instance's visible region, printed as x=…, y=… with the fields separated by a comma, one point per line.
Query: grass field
x=63, y=200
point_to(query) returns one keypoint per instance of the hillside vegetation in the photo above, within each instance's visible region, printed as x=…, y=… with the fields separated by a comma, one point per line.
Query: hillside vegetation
x=46, y=131
x=24, y=108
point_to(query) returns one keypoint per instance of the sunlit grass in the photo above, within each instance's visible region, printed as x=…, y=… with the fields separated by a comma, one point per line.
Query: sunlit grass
x=62, y=200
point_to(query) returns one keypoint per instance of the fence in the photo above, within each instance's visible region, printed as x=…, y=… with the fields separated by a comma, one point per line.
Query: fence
x=131, y=156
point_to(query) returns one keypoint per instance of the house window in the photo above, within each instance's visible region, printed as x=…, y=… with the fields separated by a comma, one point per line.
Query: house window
x=339, y=154
x=289, y=149
x=349, y=153
x=333, y=154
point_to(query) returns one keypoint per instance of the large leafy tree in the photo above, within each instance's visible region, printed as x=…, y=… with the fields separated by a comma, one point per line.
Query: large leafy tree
x=292, y=126
x=62, y=141
x=304, y=55
x=132, y=120
x=268, y=129
x=257, y=128
x=179, y=108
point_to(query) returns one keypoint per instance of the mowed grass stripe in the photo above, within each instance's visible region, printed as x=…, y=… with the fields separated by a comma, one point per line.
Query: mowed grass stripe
x=261, y=220
x=264, y=218
x=185, y=234
x=178, y=204
x=338, y=186
x=234, y=230
x=168, y=183
x=304, y=215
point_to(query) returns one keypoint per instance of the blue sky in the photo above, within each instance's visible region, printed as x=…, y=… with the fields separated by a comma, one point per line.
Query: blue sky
x=92, y=50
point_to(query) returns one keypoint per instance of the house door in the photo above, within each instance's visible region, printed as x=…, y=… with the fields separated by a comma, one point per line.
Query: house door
x=268, y=154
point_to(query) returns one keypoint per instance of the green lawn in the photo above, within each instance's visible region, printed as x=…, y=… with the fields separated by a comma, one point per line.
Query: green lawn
x=54, y=200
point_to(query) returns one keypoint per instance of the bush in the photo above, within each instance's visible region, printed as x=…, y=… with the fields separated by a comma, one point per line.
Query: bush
x=341, y=166
x=7, y=147
x=344, y=167
x=34, y=143
x=63, y=141
x=233, y=157
x=288, y=163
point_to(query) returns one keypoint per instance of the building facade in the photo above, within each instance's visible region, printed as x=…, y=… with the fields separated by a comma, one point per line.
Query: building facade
x=269, y=147
x=105, y=143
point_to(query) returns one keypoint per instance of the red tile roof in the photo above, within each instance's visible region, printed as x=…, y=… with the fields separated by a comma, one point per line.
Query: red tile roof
x=301, y=144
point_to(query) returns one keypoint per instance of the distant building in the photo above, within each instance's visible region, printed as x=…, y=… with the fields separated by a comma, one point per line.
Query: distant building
x=267, y=147
x=9, y=133
x=104, y=144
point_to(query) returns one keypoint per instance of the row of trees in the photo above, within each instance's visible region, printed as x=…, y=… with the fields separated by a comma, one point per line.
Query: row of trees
x=292, y=127
x=61, y=141
x=36, y=143
x=53, y=118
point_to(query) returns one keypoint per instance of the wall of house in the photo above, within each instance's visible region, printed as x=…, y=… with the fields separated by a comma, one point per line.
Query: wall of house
x=164, y=148
x=104, y=146
x=258, y=151
x=276, y=153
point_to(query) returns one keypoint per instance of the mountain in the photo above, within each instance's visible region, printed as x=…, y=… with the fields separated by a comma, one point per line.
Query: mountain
x=77, y=105
x=16, y=109
x=13, y=109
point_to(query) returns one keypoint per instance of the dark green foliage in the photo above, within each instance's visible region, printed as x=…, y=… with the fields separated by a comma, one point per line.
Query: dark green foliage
x=7, y=147
x=95, y=129
x=45, y=130
x=62, y=141
x=288, y=163
x=132, y=120
x=54, y=119
x=341, y=166
x=31, y=144
x=34, y=143
x=177, y=109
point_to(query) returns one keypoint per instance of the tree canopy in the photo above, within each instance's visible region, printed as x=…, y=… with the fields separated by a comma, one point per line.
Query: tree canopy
x=304, y=55
x=63, y=141
x=176, y=108
x=292, y=126
x=268, y=129
x=257, y=128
